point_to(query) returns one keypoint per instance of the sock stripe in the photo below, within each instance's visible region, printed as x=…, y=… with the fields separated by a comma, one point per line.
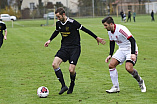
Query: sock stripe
x=57, y=69
x=112, y=69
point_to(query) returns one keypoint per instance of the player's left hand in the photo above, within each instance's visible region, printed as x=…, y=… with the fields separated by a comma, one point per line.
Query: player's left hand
x=133, y=57
x=102, y=41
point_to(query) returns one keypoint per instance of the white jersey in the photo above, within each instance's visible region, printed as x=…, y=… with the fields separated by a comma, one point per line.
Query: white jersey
x=121, y=35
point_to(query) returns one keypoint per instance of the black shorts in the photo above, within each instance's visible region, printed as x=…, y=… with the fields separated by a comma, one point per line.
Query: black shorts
x=71, y=54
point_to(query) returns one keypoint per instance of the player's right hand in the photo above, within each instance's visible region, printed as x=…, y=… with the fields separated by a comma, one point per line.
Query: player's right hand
x=47, y=43
x=102, y=41
x=108, y=58
x=5, y=37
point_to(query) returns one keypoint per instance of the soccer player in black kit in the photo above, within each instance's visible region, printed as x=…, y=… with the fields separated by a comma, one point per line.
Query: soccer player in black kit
x=70, y=46
x=2, y=27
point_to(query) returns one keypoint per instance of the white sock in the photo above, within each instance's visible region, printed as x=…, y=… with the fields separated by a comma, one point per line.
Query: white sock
x=114, y=77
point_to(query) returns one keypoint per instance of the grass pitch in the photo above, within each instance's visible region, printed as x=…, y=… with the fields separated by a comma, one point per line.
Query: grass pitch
x=25, y=65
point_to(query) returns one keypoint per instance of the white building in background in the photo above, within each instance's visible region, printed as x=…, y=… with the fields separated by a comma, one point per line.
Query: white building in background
x=72, y=4
x=151, y=6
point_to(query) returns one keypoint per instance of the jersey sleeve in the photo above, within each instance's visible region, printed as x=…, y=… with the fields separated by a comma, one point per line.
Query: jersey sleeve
x=89, y=32
x=77, y=25
x=55, y=33
x=125, y=32
x=133, y=45
x=4, y=27
x=112, y=45
x=57, y=26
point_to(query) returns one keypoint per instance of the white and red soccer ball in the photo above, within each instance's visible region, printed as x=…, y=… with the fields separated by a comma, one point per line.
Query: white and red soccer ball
x=42, y=92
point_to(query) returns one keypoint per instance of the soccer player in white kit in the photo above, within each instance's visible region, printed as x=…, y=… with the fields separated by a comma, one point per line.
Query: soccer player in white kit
x=128, y=51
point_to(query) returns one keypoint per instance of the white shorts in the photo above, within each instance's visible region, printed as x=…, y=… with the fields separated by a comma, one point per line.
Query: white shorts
x=124, y=18
x=122, y=55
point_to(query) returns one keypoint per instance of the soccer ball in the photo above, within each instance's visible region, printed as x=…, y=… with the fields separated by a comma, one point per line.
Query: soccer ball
x=42, y=92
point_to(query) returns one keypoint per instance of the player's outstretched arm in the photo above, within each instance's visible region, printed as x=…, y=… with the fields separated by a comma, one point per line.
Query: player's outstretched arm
x=55, y=33
x=100, y=40
x=5, y=36
x=47, y=43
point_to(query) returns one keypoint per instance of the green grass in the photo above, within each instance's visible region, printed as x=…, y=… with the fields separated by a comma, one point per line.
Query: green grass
x=25, y=65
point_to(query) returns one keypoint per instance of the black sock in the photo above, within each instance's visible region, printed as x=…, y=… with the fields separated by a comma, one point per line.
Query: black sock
x=59, y=75
x=136, y=76
x=72, y=77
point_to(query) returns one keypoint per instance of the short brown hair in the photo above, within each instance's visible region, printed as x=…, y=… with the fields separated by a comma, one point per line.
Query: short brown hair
x=60, y=10
x=108, y=20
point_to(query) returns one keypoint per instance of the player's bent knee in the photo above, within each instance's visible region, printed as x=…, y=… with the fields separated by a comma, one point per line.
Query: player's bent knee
x=55, y=65
x=71, y=70
x=111, y=66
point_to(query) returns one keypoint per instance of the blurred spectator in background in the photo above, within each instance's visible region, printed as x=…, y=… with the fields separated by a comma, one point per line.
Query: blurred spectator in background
x=129, y=15
x=134, y=15
x=122, y=15
x=152, y=15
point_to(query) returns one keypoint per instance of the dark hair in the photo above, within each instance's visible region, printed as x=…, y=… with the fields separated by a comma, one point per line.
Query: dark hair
x=108, y=20
x=0, y=19
x=60, y=10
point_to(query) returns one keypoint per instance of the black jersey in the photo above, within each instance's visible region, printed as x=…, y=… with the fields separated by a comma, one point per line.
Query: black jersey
x=70, y=32
x=2, y=27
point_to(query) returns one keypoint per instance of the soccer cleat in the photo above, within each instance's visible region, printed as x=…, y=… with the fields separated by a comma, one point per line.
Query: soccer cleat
x=113, y=90
x=71, y=88
x=142, y=86
x=63, y=89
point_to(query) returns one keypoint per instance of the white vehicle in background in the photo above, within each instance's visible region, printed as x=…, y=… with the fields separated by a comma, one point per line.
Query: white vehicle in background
x=49, y=15
x=7, y=17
